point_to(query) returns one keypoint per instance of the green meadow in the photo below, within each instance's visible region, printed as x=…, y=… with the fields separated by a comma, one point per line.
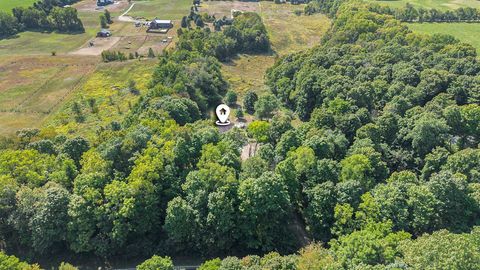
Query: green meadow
x=8, y=5
x=465, y=32
x=164, y=9
x=438, y=4
x=28, y=43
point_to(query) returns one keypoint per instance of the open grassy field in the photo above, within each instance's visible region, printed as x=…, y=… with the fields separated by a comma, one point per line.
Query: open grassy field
x=247, y=73
x=28, y=43
x=8, y=5
x=32, y=87
x=108, y=87
x=288, y=33
x=35, y=86
x=465, y=32
x=163, y=9
x=291, y=33
x=438, y=4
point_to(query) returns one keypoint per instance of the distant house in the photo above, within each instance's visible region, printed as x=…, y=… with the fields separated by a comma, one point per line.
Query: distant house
x=160, y=24
x=104, y=2
x=104, y=33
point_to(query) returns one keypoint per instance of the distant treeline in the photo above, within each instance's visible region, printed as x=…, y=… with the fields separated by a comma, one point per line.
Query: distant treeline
x=411, y=14
x=45, y=15
x=406, y=14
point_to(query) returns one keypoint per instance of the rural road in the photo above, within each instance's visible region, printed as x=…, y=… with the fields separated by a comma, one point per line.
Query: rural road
x=124, y=17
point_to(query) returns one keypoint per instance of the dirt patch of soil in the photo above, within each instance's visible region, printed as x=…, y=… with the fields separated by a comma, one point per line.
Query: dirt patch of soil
x=157, y=43
x=100, y=45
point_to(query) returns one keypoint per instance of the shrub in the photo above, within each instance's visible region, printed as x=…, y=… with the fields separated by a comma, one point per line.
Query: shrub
x=156, y=263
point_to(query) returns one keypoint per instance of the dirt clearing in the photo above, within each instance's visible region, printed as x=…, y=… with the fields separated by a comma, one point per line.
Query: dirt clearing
x=99, y=45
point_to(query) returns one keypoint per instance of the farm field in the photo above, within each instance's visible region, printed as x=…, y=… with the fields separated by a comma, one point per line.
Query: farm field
x=465, y=32
x=35, y=85
x=164, y=9
x=8, y=5
x=438, y=4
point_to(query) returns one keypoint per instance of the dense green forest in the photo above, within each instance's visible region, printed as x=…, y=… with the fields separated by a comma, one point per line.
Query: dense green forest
x=382, y=171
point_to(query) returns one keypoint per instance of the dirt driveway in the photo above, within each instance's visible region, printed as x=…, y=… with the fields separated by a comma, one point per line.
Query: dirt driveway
x=100, y=45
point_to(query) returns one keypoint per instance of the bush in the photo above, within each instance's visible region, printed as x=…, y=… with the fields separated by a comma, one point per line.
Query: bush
x=231, y=98
x=110, y=56
x=9, y=25
x=249, y=101
x=151, y=54
x=211, y=264
x=13, y=263
x=67, y=266
x=156, y=263
x=259, y=130
x=103, y=21
x=239, y=113
x=266, y=106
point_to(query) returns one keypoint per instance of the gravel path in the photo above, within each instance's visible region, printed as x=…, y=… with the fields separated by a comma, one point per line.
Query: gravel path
x=124, y=17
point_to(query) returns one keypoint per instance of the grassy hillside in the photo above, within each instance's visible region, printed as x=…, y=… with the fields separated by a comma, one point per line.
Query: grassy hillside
x=438, y=4
x=465, y=32
x=7, y=5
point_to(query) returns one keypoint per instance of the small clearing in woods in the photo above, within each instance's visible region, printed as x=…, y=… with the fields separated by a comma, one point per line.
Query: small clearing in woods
x=288, y=33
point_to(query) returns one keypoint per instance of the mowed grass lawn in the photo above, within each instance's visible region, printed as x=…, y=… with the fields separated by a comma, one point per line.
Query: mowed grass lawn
x=8, y=5
x=438, y=4
x=163, y=9
x=465, y=32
